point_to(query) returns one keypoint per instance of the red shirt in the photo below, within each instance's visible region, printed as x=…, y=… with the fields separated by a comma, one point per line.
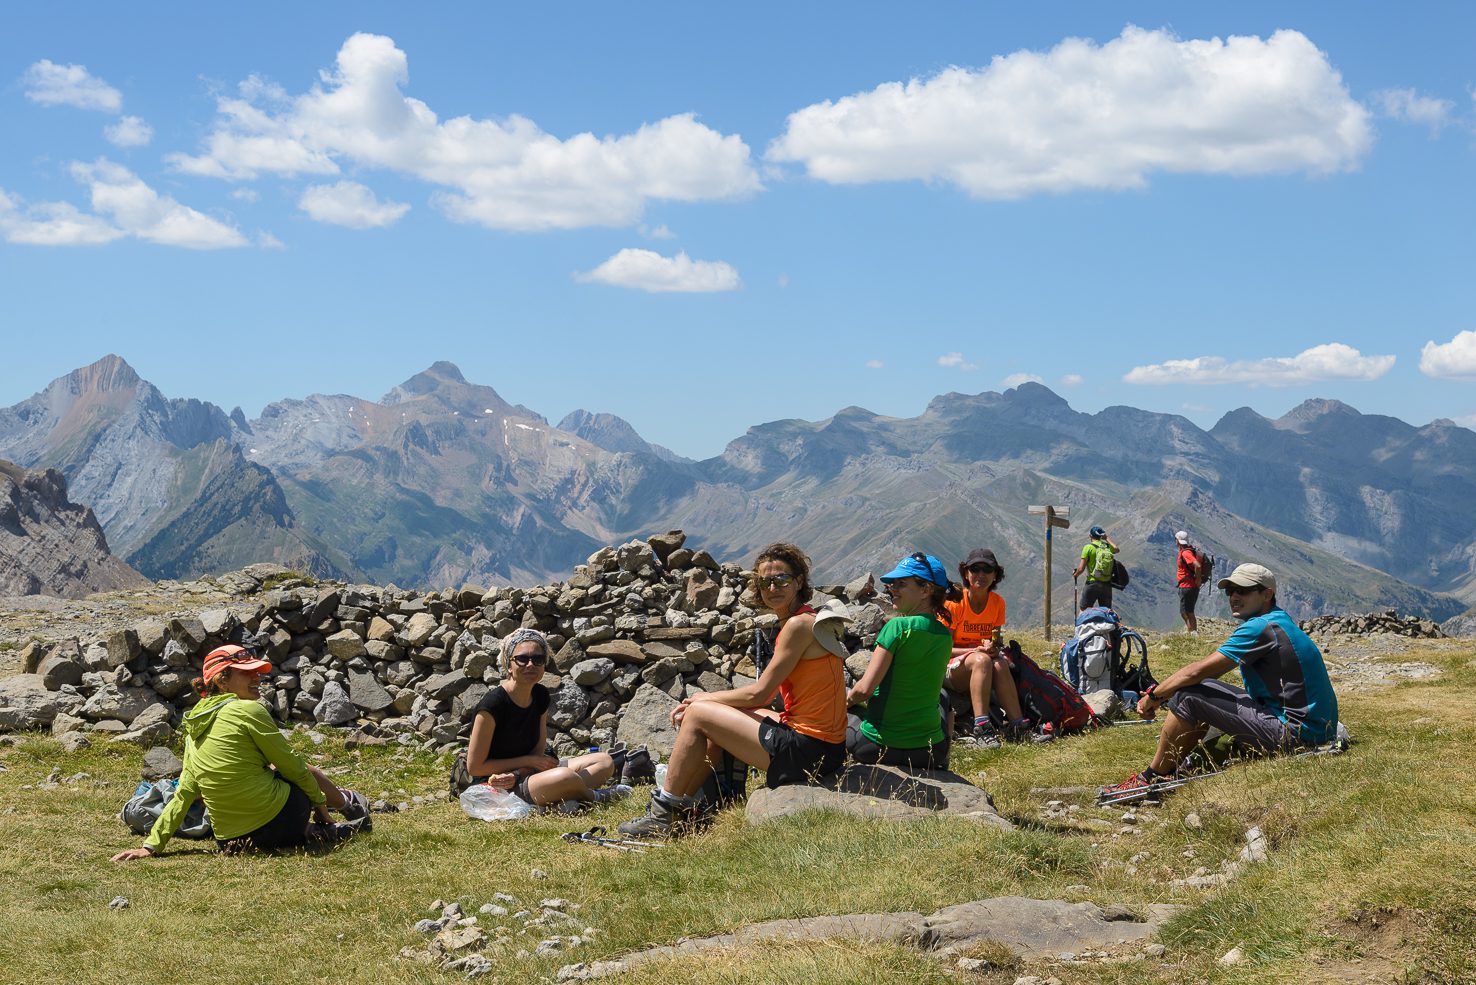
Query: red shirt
x=1188, y=567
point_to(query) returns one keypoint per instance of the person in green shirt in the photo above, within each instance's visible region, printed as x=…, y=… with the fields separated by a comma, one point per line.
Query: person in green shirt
x=902, y=724
x=259, y=793
x=1096, y=560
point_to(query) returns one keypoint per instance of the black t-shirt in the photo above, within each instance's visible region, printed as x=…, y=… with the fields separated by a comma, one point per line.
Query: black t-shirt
x=517, y=728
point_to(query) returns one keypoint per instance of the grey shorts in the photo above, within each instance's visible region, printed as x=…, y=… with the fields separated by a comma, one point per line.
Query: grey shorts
x=1233, y=712
x=1188, y=599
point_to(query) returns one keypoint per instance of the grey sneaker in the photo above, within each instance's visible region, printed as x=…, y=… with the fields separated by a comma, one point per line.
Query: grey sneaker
x=1020, y=731
x=986, y=738
x=356, y=811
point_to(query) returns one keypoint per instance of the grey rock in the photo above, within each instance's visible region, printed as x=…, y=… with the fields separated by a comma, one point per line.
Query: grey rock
x=345, y=645
x=366, y=692
x=595, y=670
x=170, y=684
x=419, y=629
x=646, y=721
x=882, y=792
x=620, y=651
x=1105, y=703
x=75, y=742
x=444, y=687
x=120, y=704
x=568, y=706
x=56, y=670
x=466, y=702
x=334, y=706
x=159, y=763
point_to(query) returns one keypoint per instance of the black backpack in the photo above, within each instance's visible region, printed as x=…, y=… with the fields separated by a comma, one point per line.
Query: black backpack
x=1120, y=576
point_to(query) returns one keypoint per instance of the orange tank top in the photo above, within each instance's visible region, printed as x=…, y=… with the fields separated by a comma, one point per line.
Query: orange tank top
x=814, y=696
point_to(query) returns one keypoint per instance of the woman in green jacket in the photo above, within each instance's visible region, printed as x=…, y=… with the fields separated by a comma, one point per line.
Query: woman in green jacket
x=259, y=793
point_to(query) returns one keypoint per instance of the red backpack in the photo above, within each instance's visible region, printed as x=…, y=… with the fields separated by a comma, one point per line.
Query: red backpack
x=1044, y=697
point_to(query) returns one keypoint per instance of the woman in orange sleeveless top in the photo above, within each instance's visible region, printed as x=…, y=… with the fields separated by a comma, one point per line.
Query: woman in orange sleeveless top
x=805, y=740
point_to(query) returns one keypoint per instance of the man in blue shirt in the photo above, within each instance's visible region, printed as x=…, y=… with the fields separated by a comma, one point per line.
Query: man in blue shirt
x=1288, y=701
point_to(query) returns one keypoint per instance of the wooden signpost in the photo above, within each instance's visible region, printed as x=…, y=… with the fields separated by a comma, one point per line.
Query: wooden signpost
x=1054, y=517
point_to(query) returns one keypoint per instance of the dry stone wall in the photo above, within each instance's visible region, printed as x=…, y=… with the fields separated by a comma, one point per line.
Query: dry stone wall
x=1387, y=621
x=633, y=630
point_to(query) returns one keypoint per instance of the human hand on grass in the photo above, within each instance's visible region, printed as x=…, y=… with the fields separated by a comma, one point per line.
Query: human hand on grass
x=132, y=854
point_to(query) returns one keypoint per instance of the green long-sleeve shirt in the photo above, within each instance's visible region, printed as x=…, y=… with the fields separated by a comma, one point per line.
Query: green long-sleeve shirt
x=230, y=747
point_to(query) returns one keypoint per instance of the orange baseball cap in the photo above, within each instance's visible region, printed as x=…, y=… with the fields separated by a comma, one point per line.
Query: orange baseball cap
x=231, y=655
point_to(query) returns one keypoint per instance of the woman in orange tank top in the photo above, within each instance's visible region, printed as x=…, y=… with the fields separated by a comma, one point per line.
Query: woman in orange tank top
x=805, y=740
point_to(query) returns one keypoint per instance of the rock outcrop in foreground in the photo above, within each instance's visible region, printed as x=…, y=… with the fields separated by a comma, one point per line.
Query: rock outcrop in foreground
x=635, y=629
x=50, y=545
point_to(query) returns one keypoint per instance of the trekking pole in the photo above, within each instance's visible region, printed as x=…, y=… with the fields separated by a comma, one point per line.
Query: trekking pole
x=596, y=836
x=1152, y=790
x=1075, y=602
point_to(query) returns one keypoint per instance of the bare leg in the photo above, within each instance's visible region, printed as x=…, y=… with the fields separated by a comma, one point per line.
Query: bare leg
x=732, y=729
x=971, y=676
x=1191, y=622
x=1005, y=690
x=335, y=796
x=559, y=783
x=1176, y=739
x=595, y=767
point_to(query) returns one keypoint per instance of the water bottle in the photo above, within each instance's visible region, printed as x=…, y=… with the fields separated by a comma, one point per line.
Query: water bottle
x=660, y=776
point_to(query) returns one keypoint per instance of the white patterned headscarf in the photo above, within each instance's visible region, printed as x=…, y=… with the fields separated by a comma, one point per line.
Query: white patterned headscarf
x=519, y=636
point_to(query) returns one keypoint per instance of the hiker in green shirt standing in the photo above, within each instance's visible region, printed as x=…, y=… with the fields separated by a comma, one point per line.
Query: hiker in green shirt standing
x=1096, y=560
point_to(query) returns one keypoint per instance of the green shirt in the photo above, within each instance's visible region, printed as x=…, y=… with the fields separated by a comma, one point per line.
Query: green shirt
x=903, y=711
x=1098, y=557
x=230, y=747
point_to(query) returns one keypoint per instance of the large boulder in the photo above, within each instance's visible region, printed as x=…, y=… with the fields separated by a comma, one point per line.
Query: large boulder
x=25, y=703
x=57, y=670
x=119, y=704
x=881, y=792
x=366, y=692
x=596, y=670
x=335, y=707
x=646, y=721
x=568, y=706
x=620, y=651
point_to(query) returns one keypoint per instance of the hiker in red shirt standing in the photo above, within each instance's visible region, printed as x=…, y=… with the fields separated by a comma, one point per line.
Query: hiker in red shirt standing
x=1190, y=578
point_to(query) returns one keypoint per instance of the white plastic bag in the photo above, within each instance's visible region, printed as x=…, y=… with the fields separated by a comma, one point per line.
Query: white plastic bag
x=491, y=804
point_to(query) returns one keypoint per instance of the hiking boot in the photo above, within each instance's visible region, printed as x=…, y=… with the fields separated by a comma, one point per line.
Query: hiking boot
x=356, y=811
x=1018, y=732
x=638, y=767
x=618, y=752
x=664, y=819
x=985, y=737
x=320, y=834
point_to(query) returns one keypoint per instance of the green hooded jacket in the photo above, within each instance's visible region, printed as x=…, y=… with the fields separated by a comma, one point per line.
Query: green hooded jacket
x=231, y=746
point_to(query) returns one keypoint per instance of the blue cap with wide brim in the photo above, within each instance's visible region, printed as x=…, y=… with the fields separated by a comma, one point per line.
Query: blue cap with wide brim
x=919, y=565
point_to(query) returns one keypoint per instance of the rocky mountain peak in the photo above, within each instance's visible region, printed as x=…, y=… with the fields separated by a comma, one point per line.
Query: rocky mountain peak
x=1313, y=412
x=612, y=433
x=111, y=372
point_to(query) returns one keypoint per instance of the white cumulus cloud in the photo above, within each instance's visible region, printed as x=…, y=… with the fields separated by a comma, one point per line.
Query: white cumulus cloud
x=348, y=203
x=1071, y=379
x=1083, y=115
x=1333, y=361
x=1408, y=106
x=646, y=270
x=501, y=173
x=122, y=206
x=1015, y=379
x=1455, y=359
x=52, y=224
x=955, y=360
x=130, y=131
x=50, y=84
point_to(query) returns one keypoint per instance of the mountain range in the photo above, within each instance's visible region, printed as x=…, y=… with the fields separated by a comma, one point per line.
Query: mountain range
x=442, y=482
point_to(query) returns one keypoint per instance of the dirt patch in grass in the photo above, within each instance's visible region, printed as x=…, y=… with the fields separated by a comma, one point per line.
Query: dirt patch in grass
x=1378, y=948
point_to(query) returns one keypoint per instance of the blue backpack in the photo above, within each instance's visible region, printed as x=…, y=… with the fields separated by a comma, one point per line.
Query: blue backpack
x=1100, y=653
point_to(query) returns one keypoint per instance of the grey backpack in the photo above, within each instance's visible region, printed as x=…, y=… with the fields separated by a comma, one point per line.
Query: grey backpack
x=148, y=802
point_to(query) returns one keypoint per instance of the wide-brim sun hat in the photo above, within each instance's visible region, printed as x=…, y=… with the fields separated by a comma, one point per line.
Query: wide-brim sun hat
x=919, y=565
x=830, y=627
x=1250, y=575
x=222, y=658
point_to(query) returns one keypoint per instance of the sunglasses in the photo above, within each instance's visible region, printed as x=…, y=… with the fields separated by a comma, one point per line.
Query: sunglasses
x=1242, y=590
x=537, y=659
x=980, y=569
x=775, y=581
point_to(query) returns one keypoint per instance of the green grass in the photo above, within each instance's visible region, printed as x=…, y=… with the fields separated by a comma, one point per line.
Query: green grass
x=1384, y=832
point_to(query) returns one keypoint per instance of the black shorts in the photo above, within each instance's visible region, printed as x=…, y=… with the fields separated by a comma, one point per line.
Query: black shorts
x=287, y=830
x=795, y=757
x=1188, y=599
x=863, y=750
x=1097, y=593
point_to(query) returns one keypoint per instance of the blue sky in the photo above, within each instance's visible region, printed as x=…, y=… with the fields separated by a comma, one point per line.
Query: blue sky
x=702, y=217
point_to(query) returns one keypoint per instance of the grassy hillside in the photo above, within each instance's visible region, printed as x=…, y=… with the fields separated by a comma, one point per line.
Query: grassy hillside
x=1370, y=874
